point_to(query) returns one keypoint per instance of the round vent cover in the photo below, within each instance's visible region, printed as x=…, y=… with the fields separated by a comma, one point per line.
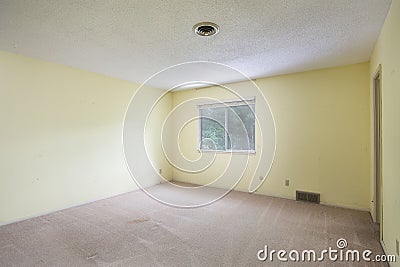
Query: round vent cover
x=206, y=28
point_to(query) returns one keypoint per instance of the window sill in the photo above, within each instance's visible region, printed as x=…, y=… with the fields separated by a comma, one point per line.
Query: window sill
x=243, y=152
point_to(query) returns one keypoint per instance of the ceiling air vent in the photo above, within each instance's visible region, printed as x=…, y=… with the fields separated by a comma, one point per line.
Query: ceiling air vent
x=206, y=28
x=307, y=196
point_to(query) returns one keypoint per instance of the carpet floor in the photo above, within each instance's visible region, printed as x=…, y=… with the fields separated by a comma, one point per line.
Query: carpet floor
x=135, y=230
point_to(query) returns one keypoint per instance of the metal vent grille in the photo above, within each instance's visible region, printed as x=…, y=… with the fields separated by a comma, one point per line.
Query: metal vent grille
x=206, y=28
x=307, y=196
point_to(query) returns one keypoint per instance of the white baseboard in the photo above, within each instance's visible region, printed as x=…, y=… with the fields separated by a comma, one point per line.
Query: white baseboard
x=163, y=181
x=345, y=206
x=65, y=207
x=75, y=205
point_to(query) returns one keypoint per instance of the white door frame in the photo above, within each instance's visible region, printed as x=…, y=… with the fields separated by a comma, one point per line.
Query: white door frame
x=377, y=122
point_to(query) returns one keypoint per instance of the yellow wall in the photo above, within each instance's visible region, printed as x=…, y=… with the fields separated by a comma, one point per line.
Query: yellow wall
x=387, y=54
x=322, y=130
x=61, y=137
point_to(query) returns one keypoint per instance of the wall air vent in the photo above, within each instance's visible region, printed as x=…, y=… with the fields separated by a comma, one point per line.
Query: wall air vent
x=307, y=196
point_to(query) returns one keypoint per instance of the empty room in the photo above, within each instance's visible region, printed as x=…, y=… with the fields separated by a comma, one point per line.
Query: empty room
x=200, y=133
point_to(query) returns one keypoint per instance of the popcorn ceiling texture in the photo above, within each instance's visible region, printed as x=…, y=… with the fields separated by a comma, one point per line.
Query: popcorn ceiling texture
x=134, y=39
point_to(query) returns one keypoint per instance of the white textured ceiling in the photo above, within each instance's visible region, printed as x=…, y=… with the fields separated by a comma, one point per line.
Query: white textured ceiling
x=134, y=39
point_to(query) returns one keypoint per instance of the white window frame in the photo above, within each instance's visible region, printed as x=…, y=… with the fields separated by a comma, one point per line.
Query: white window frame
x=225, y=104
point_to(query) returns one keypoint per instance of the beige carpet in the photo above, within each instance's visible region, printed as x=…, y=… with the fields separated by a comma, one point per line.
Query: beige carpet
x=134, y=230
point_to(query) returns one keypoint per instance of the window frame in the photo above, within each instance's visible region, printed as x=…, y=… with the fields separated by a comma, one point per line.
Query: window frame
x=225, y=104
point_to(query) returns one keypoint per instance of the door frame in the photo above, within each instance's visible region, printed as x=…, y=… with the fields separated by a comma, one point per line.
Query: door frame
x=377, y=148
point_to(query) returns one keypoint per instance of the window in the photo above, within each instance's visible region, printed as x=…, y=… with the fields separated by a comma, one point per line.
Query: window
x=228, y=126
